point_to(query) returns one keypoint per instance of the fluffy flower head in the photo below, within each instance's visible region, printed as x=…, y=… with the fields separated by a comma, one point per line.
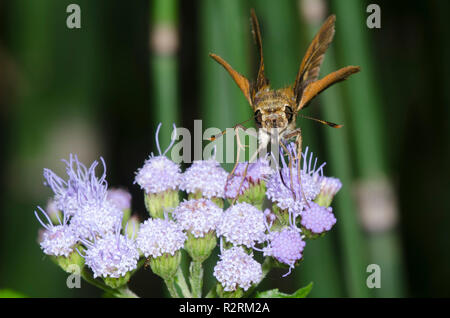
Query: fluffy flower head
x=237, y=269
x=158, y=236
x=206, y=177
x=279, y=185
x=286, y=246
x=57, y=240
x=159, y=173
x=112, y=255
x=242, y=224
x=198, y=216
x=317, y=219
x=120, y=198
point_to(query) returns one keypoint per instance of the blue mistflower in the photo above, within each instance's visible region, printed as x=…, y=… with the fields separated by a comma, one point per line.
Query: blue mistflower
x=66, y=192
x=256, y=173
x=83, y=198
x=96, y=220
x=206, y=177
x=237, y=269
x=242, y=224
x=57, y=240
x=279, y=185
x=113, y=255
x=160, y=236
x=286, y=246
x=120, y=198
x=159, y=173
x=317, y=219
x=197, y=216
x=330, y=186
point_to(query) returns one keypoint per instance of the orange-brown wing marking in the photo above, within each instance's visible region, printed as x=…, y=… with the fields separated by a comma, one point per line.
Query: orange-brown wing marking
x=315, y=88
x=310, y=66
x=240, y=80
x=261, y=80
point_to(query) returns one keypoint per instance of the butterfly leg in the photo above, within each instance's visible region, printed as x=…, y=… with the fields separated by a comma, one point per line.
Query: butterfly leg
x=239, y=147
x=297, y=133
x=291, y=160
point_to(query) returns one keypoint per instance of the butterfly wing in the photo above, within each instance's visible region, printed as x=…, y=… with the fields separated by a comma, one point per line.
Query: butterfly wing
x=310, y=66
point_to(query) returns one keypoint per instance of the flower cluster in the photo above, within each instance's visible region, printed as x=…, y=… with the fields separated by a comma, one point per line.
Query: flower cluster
x=85, y=218
x=91, y=221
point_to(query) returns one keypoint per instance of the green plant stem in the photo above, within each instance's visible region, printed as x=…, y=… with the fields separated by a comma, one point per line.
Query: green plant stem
x=212, y=293
x=164, y=67
x=196, y=278
x=181, y=282
x=123, y=292
x=170, y=283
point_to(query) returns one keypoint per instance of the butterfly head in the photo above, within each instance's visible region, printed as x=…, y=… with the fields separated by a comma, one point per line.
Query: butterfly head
x=273, y=109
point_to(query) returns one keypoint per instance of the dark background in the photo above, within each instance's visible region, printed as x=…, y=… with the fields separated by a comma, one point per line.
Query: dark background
x=102, y=89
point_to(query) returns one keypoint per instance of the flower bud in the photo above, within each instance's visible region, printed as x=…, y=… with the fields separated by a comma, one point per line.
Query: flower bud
x=205, y=179
x=316, y=220
x=199, y=248
x=165, y=265
x=157, y=203
x=238, y=293
x=121, y=199
x=117, y=282
x=70, y=263
x=329, y=186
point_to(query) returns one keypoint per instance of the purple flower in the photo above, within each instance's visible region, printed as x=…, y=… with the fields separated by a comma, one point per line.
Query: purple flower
x=286, y=246
x=317, y=219
x=330, y=186
x=242, y=224
x=237, y=269
x=121, y=198
x=197, y=216
x=206, y=177
x=158, y=236
x=92, y=220
x=66, y=192
x=83, y=199
x=257, y=172
x=57, y=240
x=236, y=184
x=113, y=255
x=279, y=188
x=159, y=173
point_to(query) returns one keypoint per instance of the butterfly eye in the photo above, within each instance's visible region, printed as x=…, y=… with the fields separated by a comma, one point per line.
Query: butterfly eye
x=258, y=118
x=289, y=113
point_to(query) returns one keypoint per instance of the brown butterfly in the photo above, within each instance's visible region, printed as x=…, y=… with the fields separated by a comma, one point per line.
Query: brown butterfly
x=276, y=110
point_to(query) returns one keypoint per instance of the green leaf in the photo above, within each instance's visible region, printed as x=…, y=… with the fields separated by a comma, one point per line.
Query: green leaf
x=9, y=293
x=275, y=293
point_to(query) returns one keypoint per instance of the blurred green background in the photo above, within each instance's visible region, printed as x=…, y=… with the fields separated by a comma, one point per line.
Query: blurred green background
x=102, y=89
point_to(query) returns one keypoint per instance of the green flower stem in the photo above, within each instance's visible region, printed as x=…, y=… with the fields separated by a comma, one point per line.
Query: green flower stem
x=123, y=292
x=212, y=293
x=170, y=283
x=181, y=282
x=196, y=278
